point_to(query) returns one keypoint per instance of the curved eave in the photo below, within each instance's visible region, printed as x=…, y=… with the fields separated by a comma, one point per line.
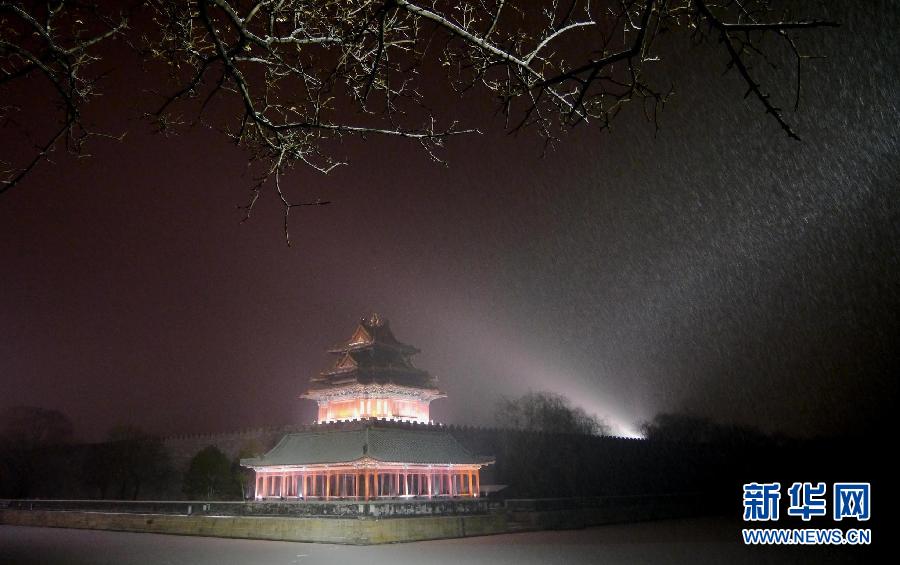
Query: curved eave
x=361, y=346
x=255, y=463
x=382, y=445
x=348, y=383
x=396, y=369
x=480, y=462
x=359, y=390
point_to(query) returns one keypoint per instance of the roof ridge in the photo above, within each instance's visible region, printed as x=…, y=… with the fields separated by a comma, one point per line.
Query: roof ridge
x=390, y=444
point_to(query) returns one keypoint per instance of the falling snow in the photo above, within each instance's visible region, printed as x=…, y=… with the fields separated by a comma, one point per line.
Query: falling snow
x=715, y=266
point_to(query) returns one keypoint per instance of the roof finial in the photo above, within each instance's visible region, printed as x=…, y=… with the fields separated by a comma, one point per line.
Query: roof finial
x=373, y=320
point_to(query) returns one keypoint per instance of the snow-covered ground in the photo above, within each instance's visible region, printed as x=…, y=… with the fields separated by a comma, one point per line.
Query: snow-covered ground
x=705, y=540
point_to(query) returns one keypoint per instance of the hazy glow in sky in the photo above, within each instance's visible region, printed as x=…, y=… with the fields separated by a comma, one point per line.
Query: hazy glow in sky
x=714, y=266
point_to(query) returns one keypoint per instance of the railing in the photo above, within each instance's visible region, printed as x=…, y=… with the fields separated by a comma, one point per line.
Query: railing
x=600, y=502
x=333, y=508
x=625, y=507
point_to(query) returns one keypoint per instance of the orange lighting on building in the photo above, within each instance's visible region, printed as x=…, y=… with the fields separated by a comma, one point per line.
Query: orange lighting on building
x=372, y=379
x=387, y=408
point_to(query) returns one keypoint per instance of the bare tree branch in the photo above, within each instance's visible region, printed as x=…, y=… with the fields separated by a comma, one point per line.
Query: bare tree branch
x=289, y=79
x=58, y=44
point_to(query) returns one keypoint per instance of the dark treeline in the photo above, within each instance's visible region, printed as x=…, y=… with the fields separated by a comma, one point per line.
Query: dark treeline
x=553, y=464
x=536, y=459
x=680, y=453
x=38, y=459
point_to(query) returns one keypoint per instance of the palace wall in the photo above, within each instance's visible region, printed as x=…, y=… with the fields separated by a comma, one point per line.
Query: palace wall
x=529, y=464
x=182, y=448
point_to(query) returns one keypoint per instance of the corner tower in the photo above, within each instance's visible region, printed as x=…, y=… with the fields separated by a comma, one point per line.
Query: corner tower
x=372, y=380
x=373, y=377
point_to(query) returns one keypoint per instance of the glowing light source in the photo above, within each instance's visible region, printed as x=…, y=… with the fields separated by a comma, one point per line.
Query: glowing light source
x=384, y=402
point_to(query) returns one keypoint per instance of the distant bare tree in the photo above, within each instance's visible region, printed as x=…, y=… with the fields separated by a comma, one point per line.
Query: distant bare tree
x=687, y=428
x=299, y=75
x=543, y=440
x=546, y=412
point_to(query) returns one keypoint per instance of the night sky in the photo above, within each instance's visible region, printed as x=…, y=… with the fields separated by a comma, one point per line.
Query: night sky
x=714, y=266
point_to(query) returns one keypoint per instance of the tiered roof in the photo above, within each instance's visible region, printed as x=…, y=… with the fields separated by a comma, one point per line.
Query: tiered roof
x=373, y=355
